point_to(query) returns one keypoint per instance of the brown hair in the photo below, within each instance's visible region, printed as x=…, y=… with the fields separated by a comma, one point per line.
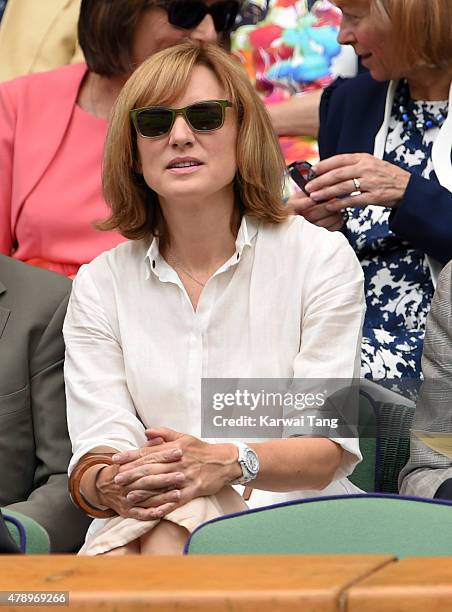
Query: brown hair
x=161, y=79
x=423, y=30
x=106, y=29
x=105, y=33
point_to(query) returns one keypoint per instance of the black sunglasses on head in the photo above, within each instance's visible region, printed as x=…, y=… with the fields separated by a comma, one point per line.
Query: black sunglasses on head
x=188, y=14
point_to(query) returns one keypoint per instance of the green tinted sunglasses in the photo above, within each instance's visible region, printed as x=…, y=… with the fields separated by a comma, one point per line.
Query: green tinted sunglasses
x=155, y=121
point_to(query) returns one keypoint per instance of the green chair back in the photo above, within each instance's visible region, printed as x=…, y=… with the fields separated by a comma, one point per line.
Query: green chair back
x=364, y=474
x=394, y=423
x=350, y=524
x=29, y=535
x=385, y=445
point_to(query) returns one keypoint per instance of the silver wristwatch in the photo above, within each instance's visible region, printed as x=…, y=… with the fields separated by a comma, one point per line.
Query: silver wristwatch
x=249, y=462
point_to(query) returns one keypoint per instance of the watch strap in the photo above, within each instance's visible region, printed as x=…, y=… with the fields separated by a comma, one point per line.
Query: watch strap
x=247, y=476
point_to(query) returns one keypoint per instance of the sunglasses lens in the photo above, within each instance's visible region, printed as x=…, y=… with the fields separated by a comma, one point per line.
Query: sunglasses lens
x=206, y=116
x=186, y=14
x=154, y=122
x=224, y=15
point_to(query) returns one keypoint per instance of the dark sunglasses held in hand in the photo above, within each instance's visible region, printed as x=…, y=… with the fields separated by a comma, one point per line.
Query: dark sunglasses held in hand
x=188, y=14
x=156, y=121
x=301, y=172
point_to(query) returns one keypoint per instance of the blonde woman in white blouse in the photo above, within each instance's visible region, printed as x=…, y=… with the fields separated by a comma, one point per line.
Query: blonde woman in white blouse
x=216, y=281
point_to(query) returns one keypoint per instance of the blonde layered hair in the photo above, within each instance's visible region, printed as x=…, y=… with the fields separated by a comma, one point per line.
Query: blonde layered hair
x=421, y=30
x=160, y=80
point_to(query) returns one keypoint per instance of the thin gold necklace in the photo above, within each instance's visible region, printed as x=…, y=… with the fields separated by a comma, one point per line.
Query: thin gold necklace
x=176, y=264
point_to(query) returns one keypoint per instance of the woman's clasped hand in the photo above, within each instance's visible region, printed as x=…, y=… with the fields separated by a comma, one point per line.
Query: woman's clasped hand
x=173, y=469
x=117, y=485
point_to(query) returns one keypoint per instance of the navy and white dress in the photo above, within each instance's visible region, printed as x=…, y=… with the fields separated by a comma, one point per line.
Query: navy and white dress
x=398, y=284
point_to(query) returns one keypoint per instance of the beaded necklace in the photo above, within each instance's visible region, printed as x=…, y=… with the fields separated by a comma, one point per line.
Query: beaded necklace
x=405, y=111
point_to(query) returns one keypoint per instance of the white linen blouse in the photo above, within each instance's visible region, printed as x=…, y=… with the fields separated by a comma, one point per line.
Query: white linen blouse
x=288, y=303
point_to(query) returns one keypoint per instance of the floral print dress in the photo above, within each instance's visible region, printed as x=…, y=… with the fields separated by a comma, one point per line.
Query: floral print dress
x=398, y=285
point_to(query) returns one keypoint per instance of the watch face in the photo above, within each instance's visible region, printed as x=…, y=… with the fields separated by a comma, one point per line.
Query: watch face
x=252, y=462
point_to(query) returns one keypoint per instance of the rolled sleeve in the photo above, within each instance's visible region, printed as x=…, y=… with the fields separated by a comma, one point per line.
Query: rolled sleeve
x=99, y=406
x=330, y=346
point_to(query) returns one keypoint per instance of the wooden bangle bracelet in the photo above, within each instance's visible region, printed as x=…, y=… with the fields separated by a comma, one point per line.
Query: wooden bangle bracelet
x=86, y=462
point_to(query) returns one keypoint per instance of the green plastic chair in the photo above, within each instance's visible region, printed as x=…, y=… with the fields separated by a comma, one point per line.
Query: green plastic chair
x=364, y=474
x=393, y=444
x=348, y=524
x=30, y=536
x=385, y=444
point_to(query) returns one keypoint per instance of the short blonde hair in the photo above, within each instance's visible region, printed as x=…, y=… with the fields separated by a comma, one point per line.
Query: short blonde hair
x=160, y=80
x=422, y=30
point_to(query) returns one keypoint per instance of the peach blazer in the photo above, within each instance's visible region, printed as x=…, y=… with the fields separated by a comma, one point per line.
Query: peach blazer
x=35, y=111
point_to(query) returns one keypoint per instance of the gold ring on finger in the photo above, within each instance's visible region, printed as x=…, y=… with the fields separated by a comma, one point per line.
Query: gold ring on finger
x=357, y=191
